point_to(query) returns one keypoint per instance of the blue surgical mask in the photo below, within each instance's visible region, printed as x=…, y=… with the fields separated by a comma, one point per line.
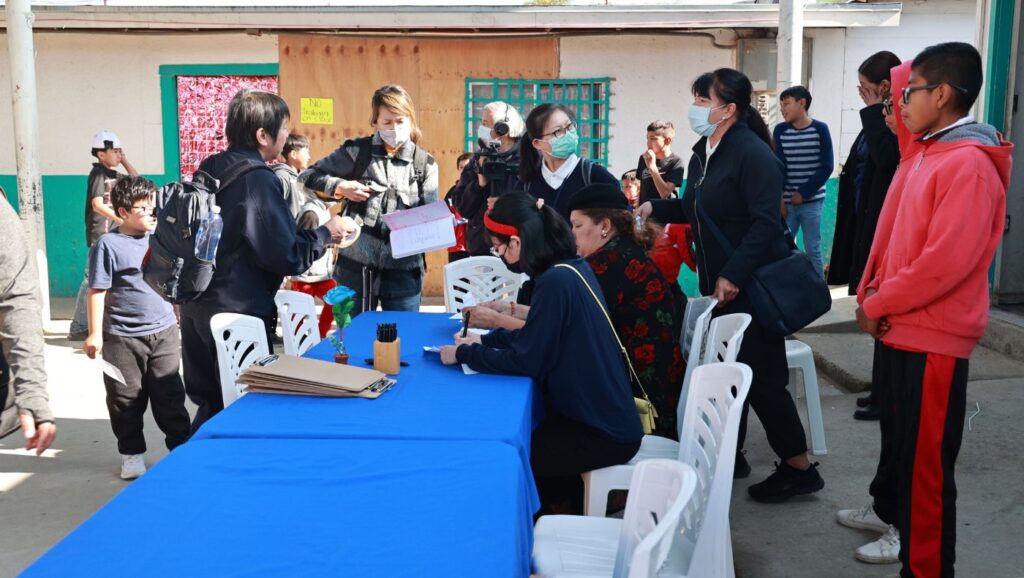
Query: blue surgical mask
x=700, y=122
x=566, y=145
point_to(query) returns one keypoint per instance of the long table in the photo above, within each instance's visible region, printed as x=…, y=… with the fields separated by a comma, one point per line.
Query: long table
x=430, y=401
x=288, y=507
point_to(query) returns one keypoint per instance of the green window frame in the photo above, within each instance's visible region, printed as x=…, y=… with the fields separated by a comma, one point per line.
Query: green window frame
x=588, y=98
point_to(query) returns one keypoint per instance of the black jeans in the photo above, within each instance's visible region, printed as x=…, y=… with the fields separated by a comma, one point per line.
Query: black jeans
x=561, y=449
x=150, y=367
x=199, y=357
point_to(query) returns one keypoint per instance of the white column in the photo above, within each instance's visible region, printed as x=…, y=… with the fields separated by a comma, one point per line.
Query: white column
x=790, y=44
x=26, y=137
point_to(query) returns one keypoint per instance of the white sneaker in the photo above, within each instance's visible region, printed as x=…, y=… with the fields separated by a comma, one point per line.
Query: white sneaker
x=885, y=550
x=132, y=466
x=862, y=519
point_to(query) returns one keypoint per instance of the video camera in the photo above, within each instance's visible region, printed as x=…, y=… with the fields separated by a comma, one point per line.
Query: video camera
x=495, y=170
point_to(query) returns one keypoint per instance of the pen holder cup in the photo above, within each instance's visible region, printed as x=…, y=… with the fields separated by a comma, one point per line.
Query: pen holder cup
x=387, y=356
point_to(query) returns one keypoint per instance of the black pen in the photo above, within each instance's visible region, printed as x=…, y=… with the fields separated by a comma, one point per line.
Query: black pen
x=465, y=323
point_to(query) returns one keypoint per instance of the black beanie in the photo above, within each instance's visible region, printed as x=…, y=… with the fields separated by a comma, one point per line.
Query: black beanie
x=599, y=196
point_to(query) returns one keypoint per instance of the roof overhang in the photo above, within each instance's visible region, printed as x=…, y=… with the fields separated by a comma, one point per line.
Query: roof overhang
x=455, y=19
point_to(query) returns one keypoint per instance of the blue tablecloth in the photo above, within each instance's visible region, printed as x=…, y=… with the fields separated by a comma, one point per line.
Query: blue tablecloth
x=431, y=401
x=286, y=507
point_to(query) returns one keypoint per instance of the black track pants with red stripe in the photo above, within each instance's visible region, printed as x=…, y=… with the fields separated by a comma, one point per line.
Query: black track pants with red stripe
x=923, y=405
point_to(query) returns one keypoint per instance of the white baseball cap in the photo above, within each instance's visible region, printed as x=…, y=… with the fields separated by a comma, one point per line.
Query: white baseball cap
x=100, y=140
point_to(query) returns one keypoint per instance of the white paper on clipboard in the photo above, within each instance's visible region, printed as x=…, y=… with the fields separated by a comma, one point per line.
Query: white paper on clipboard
x=422, y=229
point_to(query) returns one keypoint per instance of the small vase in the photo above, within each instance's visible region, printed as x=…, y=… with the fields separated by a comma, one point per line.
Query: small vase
x=341, y=358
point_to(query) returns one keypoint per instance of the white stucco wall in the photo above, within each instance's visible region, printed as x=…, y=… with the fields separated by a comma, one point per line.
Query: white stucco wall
x=103, y=81
x=922, y=24
x=652, y=76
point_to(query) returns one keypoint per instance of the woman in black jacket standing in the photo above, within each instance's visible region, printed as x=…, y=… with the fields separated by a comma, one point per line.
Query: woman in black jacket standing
x=735, y=185
x=866, y=175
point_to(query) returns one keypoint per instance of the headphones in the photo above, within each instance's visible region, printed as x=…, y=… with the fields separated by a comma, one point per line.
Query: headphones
x=501, y=127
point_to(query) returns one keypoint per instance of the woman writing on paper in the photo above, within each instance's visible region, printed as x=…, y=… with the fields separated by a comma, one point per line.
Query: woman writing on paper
x=566, y=345
x=639, y=299
x=377, y=175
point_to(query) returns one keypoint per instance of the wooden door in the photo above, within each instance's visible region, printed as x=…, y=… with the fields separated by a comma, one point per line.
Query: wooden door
x=434, y=71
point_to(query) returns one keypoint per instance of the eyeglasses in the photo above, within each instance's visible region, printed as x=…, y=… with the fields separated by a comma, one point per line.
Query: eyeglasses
x=559, y=132
x=887, y=106
x=912, y=89
x=146, y=209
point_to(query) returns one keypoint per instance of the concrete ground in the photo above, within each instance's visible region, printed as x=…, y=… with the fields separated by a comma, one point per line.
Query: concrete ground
x=43, y=499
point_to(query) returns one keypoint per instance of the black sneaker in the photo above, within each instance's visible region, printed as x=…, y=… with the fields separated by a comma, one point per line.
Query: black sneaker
x=864, y=401
x=785, y=483
x=742, y=468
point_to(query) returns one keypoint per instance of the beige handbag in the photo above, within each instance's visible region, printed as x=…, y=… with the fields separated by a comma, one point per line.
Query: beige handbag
x=644, y=407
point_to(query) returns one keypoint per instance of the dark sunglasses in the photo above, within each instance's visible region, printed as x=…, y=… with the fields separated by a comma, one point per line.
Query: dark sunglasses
x=146, y=210
x=912, y=89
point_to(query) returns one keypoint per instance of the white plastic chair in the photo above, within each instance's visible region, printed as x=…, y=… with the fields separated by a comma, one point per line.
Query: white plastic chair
x=474, y=280
x=723, y=345
x=299, y=321
x=725, y=337
x=710, y=430
x=799, y=356
x=636, y=546
x=241, y=340
x=696, y=321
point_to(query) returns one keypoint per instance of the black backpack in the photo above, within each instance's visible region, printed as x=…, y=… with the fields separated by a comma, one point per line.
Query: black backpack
x=171, y=267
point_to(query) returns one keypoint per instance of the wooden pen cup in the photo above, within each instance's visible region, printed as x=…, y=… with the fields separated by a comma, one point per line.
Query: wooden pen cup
x=387, y=356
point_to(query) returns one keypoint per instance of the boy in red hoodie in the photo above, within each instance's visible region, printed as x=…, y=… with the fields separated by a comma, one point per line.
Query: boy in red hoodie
x=924, y=294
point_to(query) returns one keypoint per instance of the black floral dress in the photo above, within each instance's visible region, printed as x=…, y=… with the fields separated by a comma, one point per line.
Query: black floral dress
x=648, y=322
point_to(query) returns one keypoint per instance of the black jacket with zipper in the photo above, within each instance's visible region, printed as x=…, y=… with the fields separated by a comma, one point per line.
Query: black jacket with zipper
x=740, y=189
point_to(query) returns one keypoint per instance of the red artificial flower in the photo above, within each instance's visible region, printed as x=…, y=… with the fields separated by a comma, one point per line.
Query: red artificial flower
x=644, y=354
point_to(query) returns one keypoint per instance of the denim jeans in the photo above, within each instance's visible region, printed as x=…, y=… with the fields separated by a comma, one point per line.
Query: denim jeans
x=807, y=218
x=80, y=318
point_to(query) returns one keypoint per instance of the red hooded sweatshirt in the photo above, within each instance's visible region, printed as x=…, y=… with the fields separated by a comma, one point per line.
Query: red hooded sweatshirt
x=938, y=230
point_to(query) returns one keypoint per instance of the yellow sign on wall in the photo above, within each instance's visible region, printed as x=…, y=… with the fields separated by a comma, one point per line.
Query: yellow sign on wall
x=317, y=110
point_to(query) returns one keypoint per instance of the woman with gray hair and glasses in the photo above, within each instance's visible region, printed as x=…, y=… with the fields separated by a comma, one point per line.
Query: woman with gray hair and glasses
x=492, y=172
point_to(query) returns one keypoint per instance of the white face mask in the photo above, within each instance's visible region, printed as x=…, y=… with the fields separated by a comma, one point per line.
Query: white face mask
x=699, y=117
x=484, y=134
x=397, y=137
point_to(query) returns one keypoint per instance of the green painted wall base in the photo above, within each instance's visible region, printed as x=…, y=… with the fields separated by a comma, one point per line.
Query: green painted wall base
x=64, y=210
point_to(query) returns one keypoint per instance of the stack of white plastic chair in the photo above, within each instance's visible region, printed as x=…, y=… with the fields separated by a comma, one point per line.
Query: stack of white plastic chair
x=241, y=340
x=475, y=280
x=299, y=321
x=703, y=548
x=725, y=337
x=636, y=546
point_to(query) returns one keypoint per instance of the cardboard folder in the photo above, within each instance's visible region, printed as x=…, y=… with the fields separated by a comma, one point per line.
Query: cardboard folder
x=289, y=374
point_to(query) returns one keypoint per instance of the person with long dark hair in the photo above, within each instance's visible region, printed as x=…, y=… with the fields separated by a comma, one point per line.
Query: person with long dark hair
x=734, y=185
x=566, y=345
x=863, y=184
x=867, y=172
x=550, y=167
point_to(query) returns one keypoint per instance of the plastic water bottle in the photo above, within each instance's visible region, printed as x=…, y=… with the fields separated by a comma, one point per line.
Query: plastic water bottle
x=208, y=235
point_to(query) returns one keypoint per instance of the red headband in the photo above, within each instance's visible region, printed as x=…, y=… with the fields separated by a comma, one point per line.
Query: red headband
x=499, y=228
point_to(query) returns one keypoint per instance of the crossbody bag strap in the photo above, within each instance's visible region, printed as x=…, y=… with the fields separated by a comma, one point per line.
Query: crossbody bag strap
x=600, y=305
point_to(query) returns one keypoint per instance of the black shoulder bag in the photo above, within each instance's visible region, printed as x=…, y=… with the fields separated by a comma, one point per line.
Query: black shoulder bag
x=788, y=294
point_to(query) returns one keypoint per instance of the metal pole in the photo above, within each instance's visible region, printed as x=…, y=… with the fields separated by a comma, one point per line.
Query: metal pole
x=790, y=44
x=26, y=137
